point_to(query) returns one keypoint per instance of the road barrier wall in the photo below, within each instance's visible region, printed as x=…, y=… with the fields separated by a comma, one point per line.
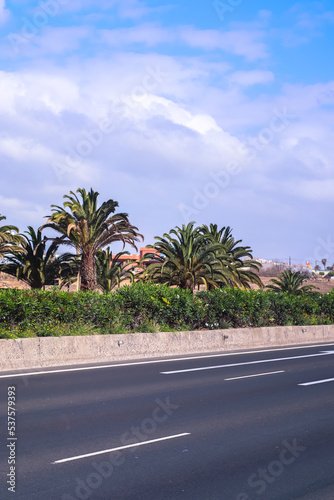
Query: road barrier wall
x=41, y=352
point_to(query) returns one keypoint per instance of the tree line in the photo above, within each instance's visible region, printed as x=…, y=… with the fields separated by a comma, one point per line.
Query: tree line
x=186, y=257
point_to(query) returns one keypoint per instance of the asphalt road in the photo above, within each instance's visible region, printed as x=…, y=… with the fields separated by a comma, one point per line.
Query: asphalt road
x=236, y=426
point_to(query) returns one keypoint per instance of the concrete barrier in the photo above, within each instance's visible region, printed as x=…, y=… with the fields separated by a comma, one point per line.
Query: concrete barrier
x=21, y=354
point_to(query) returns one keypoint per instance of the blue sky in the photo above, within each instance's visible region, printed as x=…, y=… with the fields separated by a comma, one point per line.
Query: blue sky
x=212, y=111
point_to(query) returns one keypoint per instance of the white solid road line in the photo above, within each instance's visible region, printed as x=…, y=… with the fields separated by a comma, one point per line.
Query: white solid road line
x=255, y=375
x=154, y=361
x=202, y=368
x=319, y=381
x=134, y=445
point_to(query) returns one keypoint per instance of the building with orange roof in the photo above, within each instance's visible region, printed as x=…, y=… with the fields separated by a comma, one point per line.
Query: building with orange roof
x=129, y=260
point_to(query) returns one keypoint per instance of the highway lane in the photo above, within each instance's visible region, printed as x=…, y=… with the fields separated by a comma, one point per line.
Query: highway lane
x=259, y=437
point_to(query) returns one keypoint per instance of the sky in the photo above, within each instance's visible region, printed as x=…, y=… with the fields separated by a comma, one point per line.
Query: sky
x=210, y=111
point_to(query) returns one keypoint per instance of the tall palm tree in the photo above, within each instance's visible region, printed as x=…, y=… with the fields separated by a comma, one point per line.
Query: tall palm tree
x=110, y=271
x=37, y=265
x=245, y=267
x=291, y=283
x=10, y=240
x=89, y=228
x=184, y=260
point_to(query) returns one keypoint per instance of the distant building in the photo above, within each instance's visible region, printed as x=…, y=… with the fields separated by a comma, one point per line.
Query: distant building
x=302, y=266
x=129, y=260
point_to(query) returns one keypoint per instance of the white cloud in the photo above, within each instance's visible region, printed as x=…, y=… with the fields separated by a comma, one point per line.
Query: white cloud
x=147, y=34
x=127, y=9
x=310, y=20
x=316, y=190
x=48, y=41
x=133, y=9
x=254, y=77
x=158, y=106
x=243, y=42
x=171, y=131
x=22, y=149
x=13, y=208
x=4, y=12
x=306, y=24
x=32, y=91
x=247, y=43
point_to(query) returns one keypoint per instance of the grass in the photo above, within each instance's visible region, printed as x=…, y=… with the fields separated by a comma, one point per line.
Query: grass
x=73, y=329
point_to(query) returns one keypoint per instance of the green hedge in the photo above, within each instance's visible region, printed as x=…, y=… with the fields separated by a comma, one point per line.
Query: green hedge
x=145, y=307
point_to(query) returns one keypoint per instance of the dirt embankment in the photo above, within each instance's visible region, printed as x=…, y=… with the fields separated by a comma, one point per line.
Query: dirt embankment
x=7, y=281
x=323, y=284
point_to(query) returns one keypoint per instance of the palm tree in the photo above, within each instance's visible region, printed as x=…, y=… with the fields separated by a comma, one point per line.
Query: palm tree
x=110, y=271
x=324, y=262
x=89, y=228
x=37, y=265
x=9, y=241
x=183, y=259
x=291, y=283
x=245, y=267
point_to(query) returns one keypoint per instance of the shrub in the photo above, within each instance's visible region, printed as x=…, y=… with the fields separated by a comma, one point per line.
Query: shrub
x=150, y=308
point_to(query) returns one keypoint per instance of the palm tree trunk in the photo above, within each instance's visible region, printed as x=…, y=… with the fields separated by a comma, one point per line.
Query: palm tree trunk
x=78, y=277
x=88, y=271
x=189, y=285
